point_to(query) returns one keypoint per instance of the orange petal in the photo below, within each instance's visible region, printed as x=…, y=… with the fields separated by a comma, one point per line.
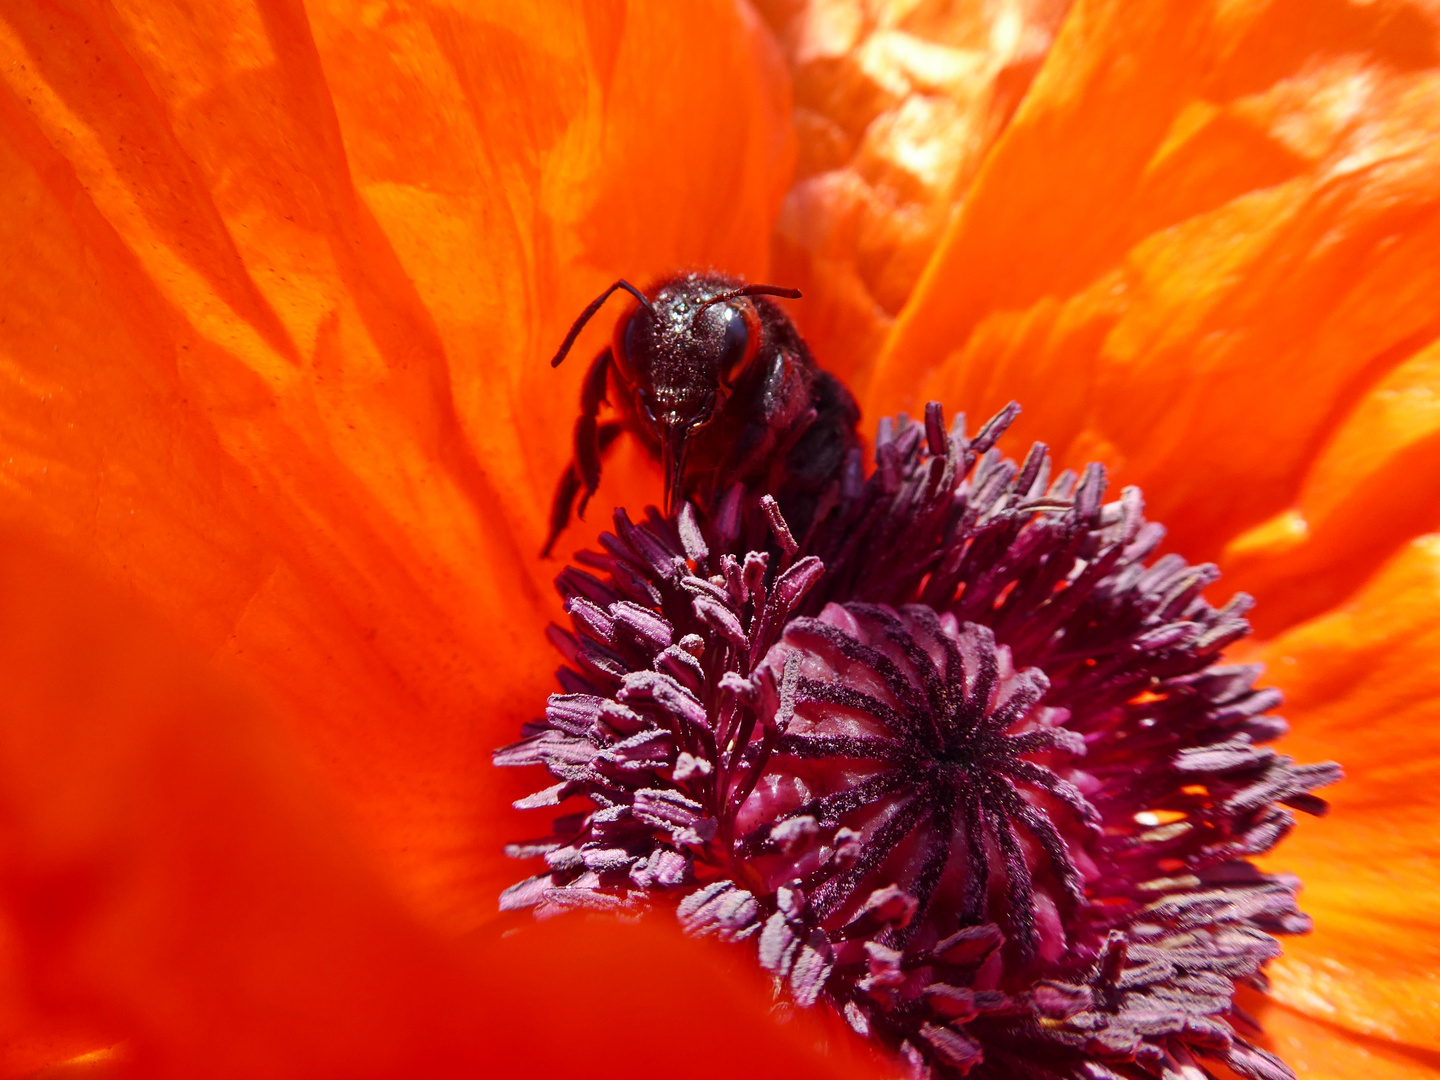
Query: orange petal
x=573, y=144
x=1317, y=1050
x=896, y=106
x=279, y=298
x=1374, y=484
x=1206, y=230
x=30, y=1040
x=172, y=875
x=1362, y=686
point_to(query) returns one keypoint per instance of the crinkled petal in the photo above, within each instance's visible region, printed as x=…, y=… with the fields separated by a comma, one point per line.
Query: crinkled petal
x=1208, y=228
x=1373, y=486
x=1362, y=685
x=897, y=105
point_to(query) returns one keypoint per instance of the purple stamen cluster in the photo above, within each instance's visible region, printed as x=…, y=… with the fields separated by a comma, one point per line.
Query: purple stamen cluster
x=961, y=762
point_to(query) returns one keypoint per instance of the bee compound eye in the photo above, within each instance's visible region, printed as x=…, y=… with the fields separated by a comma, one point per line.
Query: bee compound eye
x=735, y=344
x=628, y=343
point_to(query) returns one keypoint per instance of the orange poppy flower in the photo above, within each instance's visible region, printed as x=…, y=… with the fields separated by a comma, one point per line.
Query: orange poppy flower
x=279, y=288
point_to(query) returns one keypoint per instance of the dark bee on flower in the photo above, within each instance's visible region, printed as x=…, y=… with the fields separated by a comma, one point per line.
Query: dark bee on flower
x=712, y=376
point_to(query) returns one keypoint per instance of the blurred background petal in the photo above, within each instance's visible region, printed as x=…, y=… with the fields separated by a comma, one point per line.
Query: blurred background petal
x=177, y=881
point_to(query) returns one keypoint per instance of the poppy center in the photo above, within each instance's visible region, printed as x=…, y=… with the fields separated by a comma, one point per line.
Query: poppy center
x=990, y=794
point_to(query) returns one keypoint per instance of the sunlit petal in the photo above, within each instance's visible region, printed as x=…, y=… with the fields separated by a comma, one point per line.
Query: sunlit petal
x=1206, y=230
x=278, y=297
x=1317, y=1050
x=1362, y=683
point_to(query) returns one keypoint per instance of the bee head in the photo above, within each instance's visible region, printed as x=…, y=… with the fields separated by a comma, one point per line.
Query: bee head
x=679, y=354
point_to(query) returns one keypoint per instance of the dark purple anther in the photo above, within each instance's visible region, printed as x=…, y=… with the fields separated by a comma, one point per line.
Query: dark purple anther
x=778, y=526
x=935, y=429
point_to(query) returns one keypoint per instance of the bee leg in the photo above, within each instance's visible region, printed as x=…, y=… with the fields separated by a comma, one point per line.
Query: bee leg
x=587, y=440
x=584, y=468
x=565, y=493
x=570, y=485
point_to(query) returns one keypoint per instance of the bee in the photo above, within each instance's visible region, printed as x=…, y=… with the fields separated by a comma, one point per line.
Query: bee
x=713, y=377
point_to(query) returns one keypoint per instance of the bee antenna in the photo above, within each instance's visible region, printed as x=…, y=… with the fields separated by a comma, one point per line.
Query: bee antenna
x=751, y=290
x=589, y=312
